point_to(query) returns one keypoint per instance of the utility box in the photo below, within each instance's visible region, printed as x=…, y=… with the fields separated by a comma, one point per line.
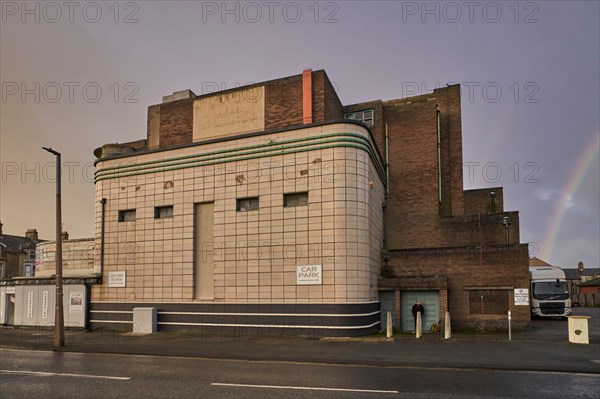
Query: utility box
x=144, y=320
x=578, y=329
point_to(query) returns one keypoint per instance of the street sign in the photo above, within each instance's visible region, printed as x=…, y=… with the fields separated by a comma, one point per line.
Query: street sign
x=308, y=275
x=116, y=279
x=522, y=296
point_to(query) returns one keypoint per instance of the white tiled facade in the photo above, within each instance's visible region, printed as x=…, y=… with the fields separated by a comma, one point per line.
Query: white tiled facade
x=255, y=252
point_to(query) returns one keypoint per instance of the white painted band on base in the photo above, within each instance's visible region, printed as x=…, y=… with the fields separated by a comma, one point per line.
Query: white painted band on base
x=272, y=314
x=271, y=325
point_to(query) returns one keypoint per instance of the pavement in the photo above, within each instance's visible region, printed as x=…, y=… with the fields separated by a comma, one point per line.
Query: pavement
x=544, y=347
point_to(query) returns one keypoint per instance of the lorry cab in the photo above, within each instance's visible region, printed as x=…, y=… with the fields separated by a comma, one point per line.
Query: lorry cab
x=549, y=292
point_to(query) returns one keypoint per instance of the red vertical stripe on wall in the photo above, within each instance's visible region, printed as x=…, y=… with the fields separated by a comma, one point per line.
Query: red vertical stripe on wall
x=307, y=96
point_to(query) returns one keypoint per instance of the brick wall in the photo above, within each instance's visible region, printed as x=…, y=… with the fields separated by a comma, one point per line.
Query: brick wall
x=171, y=123
x=412, y=205
x=415, y=218
x=333, y=105
x=318, y=96
x=480, y=201
x=283, y=102
x=467, y=269
x=176, y=123
x=479, y=228
x=448, y=102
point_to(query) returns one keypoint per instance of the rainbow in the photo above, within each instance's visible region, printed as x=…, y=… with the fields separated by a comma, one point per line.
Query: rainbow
x=575, y=178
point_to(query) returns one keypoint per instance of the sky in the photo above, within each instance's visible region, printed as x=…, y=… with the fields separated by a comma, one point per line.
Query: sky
x=76, y=75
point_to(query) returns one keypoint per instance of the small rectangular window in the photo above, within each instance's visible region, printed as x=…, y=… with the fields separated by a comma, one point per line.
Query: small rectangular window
x=163, y=212
x=32, y=254
x=29, y=270
x=247, y=204
x=366, y=116
x=127, y=215
x=295, y=199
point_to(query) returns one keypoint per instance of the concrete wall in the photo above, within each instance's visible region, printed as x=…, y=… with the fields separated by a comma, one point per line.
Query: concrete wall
x=590, y=298
x=236, y=112
x=78, y=258
x=255, y=253
x=35, y=305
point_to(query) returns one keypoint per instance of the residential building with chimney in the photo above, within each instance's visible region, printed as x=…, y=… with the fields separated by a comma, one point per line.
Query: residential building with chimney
x=17, y=254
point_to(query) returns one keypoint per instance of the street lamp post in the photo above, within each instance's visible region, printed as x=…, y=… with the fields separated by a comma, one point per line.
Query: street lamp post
x=493, y=197
x=59, y=321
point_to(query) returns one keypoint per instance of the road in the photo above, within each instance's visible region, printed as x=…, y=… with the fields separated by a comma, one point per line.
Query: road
x=39, y=374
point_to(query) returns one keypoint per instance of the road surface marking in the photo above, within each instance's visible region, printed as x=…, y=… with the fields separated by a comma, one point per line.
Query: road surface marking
x=45, y=374
x=302, y=388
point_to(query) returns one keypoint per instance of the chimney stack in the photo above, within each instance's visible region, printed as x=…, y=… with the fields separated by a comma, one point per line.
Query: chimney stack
x=307, y=116
x=65, y=235
x=32, y=233
x=1, y=228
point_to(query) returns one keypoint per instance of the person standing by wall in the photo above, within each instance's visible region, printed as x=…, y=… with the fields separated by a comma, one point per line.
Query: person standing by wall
x=418, y=307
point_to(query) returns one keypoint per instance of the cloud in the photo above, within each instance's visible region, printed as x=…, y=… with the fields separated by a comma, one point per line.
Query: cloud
x=547, y=194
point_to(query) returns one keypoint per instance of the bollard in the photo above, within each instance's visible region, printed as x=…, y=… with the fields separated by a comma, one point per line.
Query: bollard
x=389, y=324
x=578, y=329
x=447, y=330
x=509, y=329
x=419, y=327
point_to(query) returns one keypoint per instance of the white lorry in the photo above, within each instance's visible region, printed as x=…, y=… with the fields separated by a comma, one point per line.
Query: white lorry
x=549, y=292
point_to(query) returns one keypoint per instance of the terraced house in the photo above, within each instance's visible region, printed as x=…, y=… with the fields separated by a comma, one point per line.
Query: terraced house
x=273, y=207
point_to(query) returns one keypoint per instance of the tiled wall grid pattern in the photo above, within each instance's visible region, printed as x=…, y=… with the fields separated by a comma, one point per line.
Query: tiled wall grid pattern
x=256, y=252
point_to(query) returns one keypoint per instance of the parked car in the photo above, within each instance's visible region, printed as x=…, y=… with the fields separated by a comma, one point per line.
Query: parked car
x=574, y=300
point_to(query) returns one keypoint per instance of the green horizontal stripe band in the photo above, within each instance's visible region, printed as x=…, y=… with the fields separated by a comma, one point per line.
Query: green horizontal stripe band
x=199, y=157
x=225, y=156
x=121, y=175
x=238, y=149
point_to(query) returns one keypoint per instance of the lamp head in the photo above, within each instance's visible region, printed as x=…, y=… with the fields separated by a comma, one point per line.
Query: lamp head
x=50, y=150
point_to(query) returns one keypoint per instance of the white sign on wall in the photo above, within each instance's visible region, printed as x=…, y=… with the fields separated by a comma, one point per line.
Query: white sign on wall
x=522, y=296
x=30, y=304
x=116, y=279
x=309, y=274
x=45, y=305
x=76, y=302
